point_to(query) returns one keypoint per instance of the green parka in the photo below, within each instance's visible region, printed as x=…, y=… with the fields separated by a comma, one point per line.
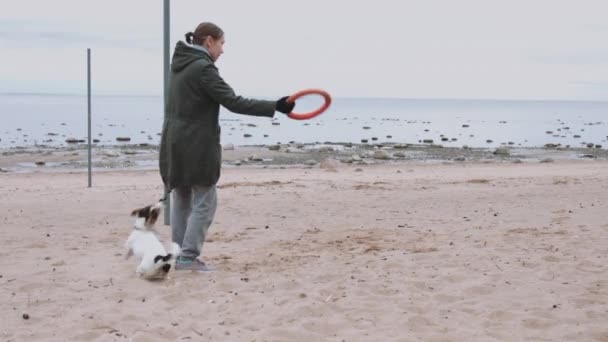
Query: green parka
x=190, y=150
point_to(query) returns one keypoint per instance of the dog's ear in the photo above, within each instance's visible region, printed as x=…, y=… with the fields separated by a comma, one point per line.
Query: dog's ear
x=152, y=216
x=141, y=212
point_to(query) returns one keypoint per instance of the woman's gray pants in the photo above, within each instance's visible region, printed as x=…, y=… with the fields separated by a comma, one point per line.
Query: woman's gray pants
x=192, y=212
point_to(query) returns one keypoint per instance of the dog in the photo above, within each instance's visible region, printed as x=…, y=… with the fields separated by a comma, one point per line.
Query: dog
x=155, y=260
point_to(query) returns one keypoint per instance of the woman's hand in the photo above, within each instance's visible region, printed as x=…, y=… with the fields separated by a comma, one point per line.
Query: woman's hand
x=283, y=106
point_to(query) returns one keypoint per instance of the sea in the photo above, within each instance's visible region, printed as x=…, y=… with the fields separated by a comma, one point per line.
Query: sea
x=50, y=119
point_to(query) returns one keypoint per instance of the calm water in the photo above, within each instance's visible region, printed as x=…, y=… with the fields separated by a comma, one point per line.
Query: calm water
x=51, y=119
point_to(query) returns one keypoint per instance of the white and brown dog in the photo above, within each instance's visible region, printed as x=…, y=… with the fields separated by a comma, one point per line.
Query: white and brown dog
x=155, y=261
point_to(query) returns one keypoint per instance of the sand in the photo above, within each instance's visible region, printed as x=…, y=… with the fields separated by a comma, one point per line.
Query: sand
x=411, y=251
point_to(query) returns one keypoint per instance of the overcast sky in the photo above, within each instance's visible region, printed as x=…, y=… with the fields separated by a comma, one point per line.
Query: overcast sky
x=516, y=49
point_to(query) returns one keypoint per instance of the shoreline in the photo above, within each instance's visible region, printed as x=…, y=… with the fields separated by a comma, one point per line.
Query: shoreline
x=42, y=158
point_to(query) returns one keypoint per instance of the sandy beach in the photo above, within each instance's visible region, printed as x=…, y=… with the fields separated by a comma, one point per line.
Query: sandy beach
x=406, y=250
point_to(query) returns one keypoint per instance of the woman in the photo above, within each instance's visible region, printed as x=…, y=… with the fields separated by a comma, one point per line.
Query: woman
x=190, y=150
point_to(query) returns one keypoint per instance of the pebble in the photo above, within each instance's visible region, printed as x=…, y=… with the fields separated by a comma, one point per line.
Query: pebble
x=325, y=149
x=110, y=153
x=255, y=158
x=382, y=154
x=502, y=151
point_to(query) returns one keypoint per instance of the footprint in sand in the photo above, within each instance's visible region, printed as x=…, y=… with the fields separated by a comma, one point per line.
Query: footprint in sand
x=589, y=300
x=535, y=323
x=442, y=298
x=478, y=290
x=108, y=240
x=600, y=336
x=421, y=324
x=587, y=266
x=551, y=258
x=36, y=246
x=500, y=315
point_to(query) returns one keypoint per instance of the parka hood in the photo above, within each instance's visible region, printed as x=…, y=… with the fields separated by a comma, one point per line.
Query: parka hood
x=184, y=55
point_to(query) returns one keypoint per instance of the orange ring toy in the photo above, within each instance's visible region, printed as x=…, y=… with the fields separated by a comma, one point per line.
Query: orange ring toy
x=310, y=115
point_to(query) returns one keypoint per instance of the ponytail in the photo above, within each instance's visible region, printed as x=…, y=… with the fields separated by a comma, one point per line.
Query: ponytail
x=189, y=37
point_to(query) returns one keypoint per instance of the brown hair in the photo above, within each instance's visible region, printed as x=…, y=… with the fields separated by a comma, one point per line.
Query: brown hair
x=204, y=30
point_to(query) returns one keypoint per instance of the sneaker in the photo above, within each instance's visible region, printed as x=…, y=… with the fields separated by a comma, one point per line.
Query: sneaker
x=182, y=264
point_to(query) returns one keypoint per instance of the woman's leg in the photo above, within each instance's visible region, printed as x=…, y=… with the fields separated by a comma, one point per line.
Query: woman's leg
x=181, y=206
x=204, y=203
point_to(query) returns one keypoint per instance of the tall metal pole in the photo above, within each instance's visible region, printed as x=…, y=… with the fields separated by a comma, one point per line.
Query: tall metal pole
x=89, y=110
x=166, y=23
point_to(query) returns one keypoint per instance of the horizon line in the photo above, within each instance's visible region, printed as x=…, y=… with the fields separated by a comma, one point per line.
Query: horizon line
x=25, y=93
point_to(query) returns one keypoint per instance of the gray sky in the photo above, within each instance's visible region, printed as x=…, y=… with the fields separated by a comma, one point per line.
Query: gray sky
x=516, y=49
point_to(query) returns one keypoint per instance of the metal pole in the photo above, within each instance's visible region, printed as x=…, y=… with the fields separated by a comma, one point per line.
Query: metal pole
x=89, y=110
x=166, y=33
